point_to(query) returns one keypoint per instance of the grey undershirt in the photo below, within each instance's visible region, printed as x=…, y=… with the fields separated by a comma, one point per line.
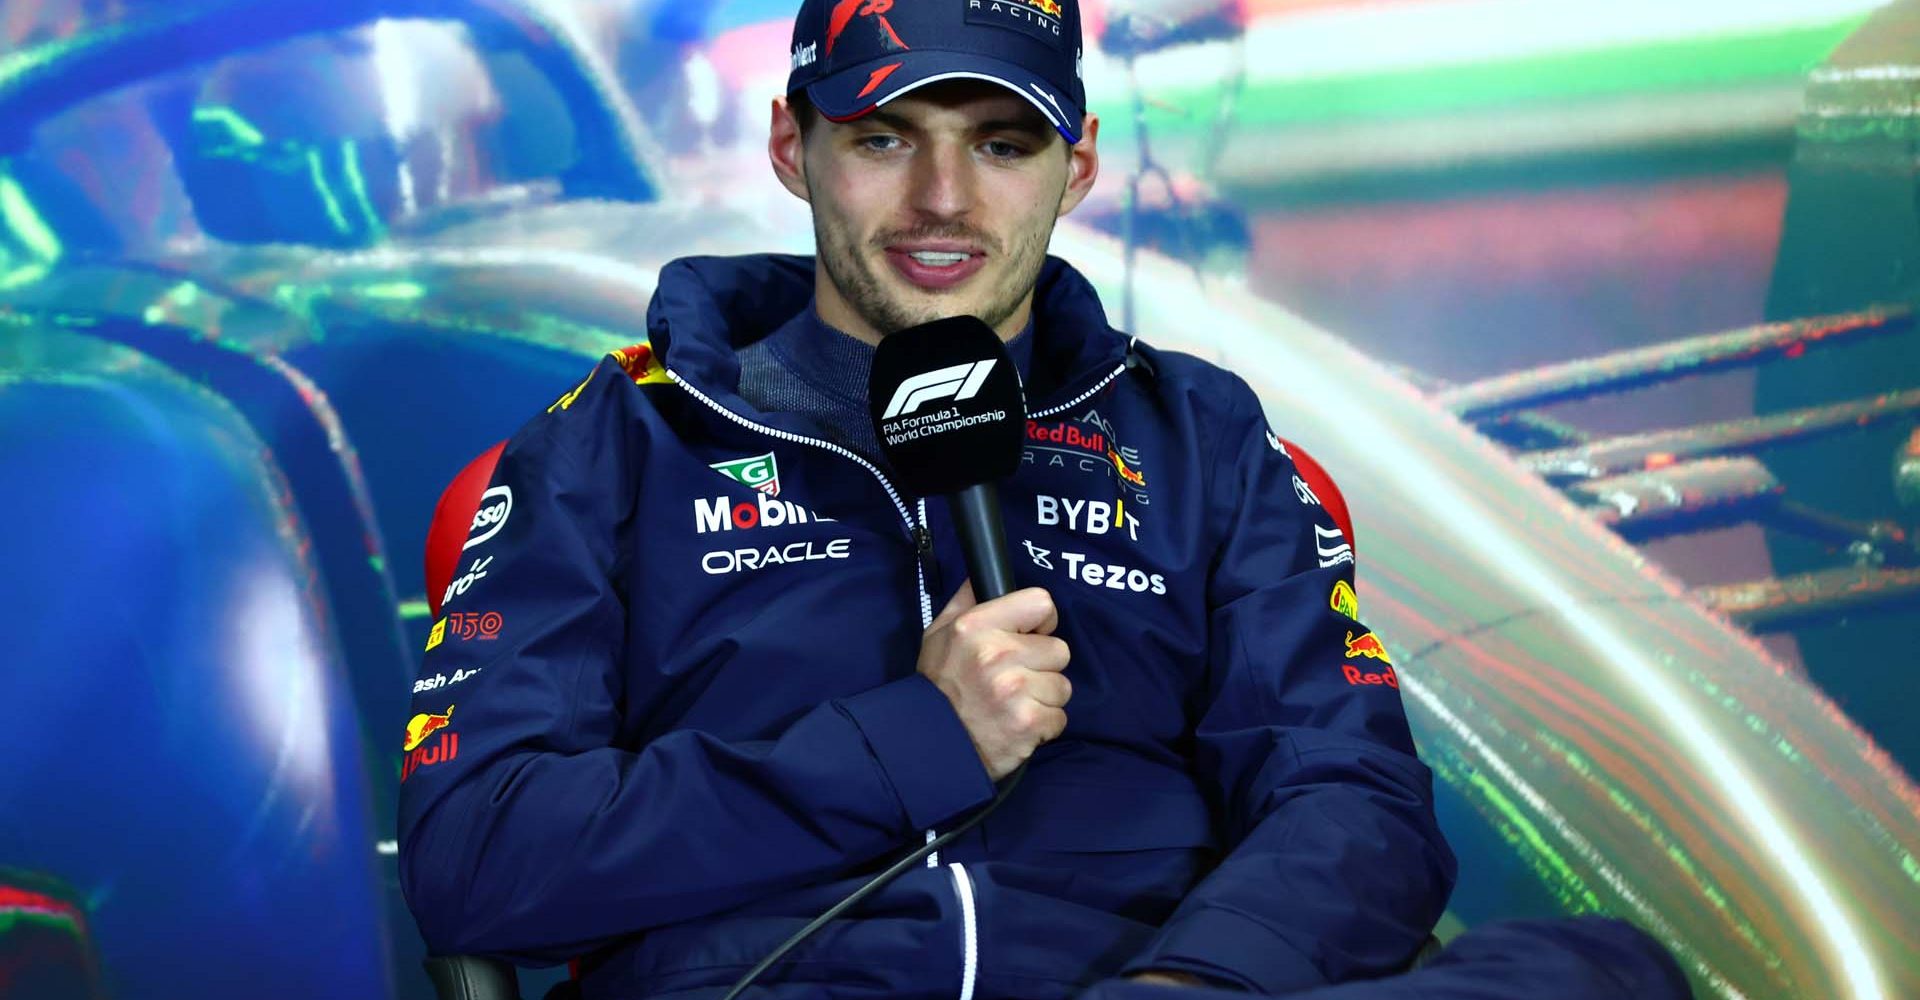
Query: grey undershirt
x=811, y=369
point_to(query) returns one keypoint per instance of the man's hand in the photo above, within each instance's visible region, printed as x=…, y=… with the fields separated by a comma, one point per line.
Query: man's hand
x=1000, y=665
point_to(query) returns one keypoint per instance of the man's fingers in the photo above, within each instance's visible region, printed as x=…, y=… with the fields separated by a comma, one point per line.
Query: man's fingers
x=1051, y=690
x=1054, y=722
x=962, y=600
x=1030, y=611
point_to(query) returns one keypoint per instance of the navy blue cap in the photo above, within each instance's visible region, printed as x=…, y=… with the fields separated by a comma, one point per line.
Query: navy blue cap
x=852, y=56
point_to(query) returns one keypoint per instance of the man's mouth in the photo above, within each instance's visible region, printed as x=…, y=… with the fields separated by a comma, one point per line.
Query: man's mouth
x=935, y=268
x=939, y=258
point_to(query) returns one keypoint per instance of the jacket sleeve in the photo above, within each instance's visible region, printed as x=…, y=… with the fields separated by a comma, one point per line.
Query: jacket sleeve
x=1339, y=869
x=525, y=831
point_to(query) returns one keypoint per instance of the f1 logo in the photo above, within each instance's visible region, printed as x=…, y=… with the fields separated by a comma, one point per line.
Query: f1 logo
x=958, y=382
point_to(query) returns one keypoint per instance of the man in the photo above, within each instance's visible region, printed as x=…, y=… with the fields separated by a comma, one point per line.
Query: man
x=691, y=688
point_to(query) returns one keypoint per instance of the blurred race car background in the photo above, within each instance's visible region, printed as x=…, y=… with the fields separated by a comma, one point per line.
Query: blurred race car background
x=1599, y=313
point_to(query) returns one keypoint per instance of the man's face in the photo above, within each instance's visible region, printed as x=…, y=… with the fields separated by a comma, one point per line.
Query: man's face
x=940, y=203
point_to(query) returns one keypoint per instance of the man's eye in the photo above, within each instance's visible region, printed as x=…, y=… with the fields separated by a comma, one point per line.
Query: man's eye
x=879, y=143
x=1001, y=149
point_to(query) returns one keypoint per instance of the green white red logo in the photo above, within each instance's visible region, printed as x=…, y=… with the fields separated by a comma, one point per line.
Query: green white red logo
x=760, y=472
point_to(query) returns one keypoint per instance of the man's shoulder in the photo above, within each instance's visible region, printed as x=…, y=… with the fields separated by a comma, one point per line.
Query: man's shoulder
x=1209, y=387
x=607, y=403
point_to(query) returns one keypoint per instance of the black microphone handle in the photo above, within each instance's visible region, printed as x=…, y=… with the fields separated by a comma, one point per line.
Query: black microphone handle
x=983, y=540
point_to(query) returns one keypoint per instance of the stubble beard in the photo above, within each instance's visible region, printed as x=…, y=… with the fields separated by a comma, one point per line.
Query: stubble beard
x=886, y=311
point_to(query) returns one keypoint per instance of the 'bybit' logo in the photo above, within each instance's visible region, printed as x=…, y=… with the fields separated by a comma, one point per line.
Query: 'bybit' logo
x=956, y=382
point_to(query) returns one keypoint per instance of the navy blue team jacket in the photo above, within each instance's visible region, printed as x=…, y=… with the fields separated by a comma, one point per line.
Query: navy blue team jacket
x=671, y=712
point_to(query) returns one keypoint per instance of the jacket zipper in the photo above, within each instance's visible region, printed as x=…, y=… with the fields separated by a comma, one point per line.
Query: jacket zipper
x=1082, y=397
x=916, y=529
x=922, y=538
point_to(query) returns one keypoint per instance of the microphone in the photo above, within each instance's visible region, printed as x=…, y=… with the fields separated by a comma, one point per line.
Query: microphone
x=948, y=411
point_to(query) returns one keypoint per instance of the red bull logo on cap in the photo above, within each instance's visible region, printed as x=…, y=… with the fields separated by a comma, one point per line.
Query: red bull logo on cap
x=1367, y=645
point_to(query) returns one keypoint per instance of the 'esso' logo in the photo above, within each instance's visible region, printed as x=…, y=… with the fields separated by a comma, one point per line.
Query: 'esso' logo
x=495, y=506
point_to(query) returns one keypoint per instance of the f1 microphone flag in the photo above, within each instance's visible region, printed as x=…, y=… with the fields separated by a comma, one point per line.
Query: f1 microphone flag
x=960, y=382
x=947, y=405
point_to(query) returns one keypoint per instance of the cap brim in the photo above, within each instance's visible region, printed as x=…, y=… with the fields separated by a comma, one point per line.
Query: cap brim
x=857, y=90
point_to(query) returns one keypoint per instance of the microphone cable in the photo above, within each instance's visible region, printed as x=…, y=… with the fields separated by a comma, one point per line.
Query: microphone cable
x=874, y=884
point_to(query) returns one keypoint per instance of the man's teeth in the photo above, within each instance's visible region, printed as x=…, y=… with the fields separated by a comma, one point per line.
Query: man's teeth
x=938, y=258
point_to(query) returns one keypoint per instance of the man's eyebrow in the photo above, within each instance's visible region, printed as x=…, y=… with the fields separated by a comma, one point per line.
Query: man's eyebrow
x=1031, y=124
x=892, y=121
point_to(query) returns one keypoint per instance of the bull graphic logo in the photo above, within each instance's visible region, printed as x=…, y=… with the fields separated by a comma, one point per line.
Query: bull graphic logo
x=1367, y=645
x=424, y=725
x=1133, y=476
x=640, y=364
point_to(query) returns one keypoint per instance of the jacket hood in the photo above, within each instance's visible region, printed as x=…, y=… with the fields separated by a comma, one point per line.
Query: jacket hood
x=706, y=308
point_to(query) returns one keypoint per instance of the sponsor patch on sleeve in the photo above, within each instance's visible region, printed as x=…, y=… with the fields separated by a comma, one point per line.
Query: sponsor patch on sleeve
x=1343, y=600
x=640, y=364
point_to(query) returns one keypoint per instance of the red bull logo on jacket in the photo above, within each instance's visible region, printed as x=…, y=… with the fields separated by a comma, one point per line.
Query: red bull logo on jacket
x=1355, y=675
x=424, y=725
x=1367, y=645
x=640, y=364
x=1067, y=433
x=423, y=751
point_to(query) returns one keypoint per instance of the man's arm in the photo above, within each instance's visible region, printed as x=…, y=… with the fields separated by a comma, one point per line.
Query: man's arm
x=1339, y=869
x=524, y=831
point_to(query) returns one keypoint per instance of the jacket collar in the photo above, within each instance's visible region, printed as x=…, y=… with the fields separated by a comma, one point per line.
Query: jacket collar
x=706, y=308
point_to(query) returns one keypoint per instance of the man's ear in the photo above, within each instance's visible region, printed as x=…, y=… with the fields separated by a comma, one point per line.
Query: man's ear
x=787, y=149
x=1083, y=164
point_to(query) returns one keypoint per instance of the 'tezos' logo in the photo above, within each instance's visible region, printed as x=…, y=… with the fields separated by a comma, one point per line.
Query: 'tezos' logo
x=1331, y=546
x=1112, y=576
x=1039, y=18
x=495, y=506
x=760, y=472
x=419, y=728
x=846, y=10
x=956, y=382
x=722, y=514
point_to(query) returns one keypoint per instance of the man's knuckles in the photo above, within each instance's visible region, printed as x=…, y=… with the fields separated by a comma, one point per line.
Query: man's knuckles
x=1007, y=687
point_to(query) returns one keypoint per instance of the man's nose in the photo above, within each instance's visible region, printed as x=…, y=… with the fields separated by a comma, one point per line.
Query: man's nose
x=943, y=181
